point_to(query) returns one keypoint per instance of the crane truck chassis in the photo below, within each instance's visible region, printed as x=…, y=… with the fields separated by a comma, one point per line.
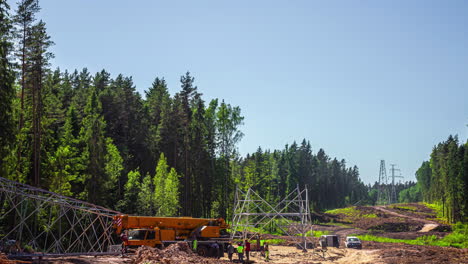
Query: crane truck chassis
x=163, y=231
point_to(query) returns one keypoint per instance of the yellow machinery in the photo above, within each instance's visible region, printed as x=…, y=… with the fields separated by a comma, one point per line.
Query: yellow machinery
x=159, y=231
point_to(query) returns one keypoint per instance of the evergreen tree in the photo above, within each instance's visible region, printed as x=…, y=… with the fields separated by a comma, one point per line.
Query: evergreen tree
x=63, y=170
x=423, y=175
x=24, y=19
x=93, y=142
x=184, y=100
x=443, y=179
x=7, y=90
x=38, y=60
x=126, y=125
x=157, y=106
x=65, y=165
x=199, y=160
x=228, y=120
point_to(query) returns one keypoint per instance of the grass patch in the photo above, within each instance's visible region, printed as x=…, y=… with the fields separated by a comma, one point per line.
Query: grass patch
x=349, y=211
x=336, y=224
x=404, y=207
x=437, y=208
x=369, y=215
x=317, y=233
x=458, y=238
x=384, y=239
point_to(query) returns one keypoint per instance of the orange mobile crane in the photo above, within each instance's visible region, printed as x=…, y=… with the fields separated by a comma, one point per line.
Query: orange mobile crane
x=162, y=231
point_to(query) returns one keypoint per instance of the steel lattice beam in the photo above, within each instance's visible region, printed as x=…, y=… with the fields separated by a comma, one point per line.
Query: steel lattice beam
x=51, y=223
x=291, y=215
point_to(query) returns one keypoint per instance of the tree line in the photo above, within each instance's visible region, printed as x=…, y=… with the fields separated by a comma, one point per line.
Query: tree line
x=94, y=137
x=444, y=179
x=274, y=174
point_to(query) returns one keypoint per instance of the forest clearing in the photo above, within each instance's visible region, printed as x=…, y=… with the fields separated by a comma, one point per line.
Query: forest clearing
x=182, y=133
x=401, y=221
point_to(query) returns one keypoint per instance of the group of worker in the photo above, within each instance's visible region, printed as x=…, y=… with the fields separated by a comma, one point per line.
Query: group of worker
x=245, y=248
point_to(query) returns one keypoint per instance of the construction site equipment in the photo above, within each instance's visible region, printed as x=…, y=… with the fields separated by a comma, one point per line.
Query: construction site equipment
x=329, y=241
x=209, y=233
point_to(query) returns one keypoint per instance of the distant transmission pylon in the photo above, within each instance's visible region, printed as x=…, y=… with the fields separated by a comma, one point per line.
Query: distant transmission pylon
x=383, y=196
x=393, y=197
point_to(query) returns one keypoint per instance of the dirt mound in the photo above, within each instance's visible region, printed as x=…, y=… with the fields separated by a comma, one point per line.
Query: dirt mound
x=414, y=210
x=175, y=253
x=404, y=253
x=390, y=225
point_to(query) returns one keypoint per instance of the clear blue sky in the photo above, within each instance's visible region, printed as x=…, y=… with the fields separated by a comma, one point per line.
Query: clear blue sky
x=365, y=80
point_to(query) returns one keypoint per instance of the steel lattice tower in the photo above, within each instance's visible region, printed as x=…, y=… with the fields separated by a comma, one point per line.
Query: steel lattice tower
x=383, y=196
x=393, y=198
x=291, y=215
x=53, y=224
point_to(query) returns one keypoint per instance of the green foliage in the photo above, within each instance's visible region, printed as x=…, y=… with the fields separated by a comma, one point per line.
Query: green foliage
x=129, y=203
x=317, y=233
x=7, y=90
x=458, y=238
x=152, y=195
x=346, y=211
x=386, y=239
x=351, y=212
x=438, y=209
x=113, y=170
x=171, y=201
x=403, y=207
x=146, y=201
x=63, y=171
x=444, y=179
x=410, y=195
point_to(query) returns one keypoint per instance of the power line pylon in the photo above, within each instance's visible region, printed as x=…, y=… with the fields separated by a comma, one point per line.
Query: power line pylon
x=393, y=198
x=53, y=224
x=290, y=216
x=383, y=195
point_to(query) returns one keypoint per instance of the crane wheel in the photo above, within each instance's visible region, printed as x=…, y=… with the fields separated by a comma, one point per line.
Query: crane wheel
x=202, y=251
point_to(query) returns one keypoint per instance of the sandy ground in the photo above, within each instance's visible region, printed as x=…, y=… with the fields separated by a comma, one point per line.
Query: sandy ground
x=373, y=252
x=285, y=254
x=278, y=254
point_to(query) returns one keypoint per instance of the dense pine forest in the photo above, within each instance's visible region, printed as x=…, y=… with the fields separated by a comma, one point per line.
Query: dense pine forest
x=444, y=179
x=92, y=136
